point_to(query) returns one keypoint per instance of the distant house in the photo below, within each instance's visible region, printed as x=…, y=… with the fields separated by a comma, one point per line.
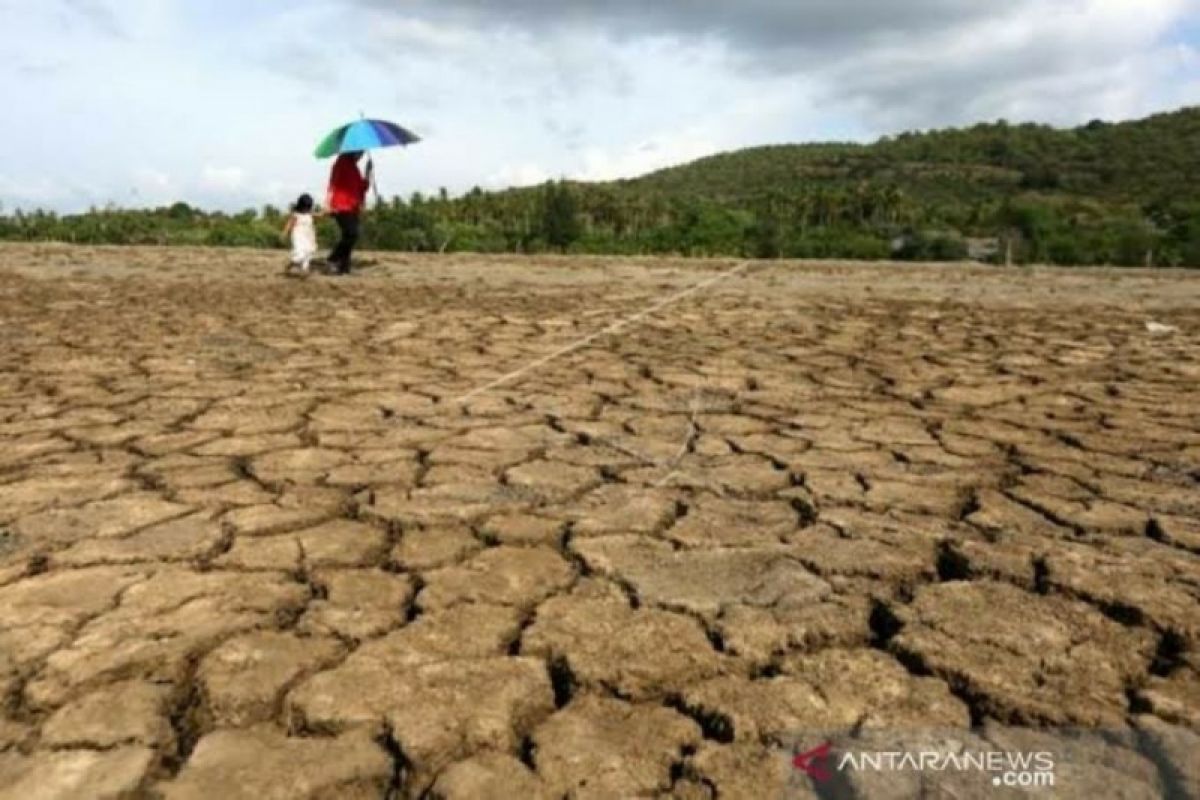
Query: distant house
x=930, y=245
x=983, y=249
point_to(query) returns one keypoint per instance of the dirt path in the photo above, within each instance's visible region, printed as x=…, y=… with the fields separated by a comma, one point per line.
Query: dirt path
x=251, y=545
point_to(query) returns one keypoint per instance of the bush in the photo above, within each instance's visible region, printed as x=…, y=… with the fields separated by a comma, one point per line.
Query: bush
x=933, y=246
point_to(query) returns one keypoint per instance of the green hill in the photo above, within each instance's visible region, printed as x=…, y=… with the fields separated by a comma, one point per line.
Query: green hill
x=1103, y=193
x=1145, y=160
x=1118, y=193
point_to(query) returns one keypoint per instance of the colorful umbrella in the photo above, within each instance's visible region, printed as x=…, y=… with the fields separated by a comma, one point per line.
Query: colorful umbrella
x=364, y=134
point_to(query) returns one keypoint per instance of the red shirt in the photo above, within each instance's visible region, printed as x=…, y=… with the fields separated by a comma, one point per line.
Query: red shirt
x=347, y=187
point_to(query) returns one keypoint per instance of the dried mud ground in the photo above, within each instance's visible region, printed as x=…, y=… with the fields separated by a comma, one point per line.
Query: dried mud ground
x=252, y=544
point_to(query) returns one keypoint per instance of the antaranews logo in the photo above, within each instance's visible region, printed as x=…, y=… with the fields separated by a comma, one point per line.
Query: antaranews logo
x=814, y=763
x=1023, y=770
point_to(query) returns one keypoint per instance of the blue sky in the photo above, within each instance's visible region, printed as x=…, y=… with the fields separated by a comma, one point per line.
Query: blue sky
x=219, y=103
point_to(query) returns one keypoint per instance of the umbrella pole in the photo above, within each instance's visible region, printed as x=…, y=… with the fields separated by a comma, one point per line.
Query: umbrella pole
x=374, y=182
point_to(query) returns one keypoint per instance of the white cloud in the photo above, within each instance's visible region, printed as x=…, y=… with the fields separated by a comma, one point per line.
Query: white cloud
x=221, y=103
x=600, y=164
x=228, y=179
x=416, y=32
x=1061, y=62
x=518, y=175
x=151, y=179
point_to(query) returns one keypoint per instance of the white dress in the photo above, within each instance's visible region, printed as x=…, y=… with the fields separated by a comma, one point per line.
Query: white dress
x=304, y=240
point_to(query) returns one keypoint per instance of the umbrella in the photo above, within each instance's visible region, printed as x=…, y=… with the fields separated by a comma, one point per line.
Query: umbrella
x=364, y=134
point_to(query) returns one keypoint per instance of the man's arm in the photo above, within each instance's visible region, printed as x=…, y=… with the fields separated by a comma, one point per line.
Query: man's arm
x=366, y=181
x=334, y=178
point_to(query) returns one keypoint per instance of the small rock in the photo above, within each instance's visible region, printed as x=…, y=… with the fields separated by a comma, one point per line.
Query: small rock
x=189, y=538
x=516, y=576
x=37, y=613
x=261, y=763
x=606, y=644
x=620, y=508
x=358, y=604
x=759, y=633
x=268, y=519
x=747, y=770
x=553, y=480
x=161, y=625
x=438, y=712
x=244, y=678
x=703, y=581
x=341, y=543
x=100, y=520
x=712, y=522
x=736, y=709
x=445, y=503
x=1175, y=698
x=601, y=748
x=828, y=552
x=875, y=691
x=280, y=553
x=421, y=549
x=1028, y=658
x=523, y=529
x=34, y=494
x=488, y=775
x=1144, y=586
x=107, y=774
x=129, y=712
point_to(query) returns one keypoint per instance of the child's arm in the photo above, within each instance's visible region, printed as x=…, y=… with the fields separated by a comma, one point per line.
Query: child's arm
x=287, y=226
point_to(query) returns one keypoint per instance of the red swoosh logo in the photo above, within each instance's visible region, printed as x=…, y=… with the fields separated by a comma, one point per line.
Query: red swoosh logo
x=813, y=762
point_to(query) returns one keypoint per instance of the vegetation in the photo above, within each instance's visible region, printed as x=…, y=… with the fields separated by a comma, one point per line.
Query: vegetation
x=1098, y=194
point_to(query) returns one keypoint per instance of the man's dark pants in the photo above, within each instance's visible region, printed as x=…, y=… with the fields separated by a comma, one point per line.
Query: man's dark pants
x=347, y=222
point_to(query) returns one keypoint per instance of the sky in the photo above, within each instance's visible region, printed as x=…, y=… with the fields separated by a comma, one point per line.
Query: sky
x=220, y=102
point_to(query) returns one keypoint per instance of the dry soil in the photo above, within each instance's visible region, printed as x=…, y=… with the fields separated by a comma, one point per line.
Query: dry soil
x=253, y=545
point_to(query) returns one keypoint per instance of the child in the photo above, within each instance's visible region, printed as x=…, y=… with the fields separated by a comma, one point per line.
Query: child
x=304, y=234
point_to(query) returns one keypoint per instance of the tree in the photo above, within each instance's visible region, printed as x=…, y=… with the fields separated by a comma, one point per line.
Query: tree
x=560, y=215
x=180, y=211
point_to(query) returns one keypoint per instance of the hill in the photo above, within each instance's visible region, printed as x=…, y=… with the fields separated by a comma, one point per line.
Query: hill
x=1130, y=161
x=1119, y=193
x=1102, y=193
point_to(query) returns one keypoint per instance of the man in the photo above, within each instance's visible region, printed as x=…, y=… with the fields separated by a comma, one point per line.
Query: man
x=347, y=191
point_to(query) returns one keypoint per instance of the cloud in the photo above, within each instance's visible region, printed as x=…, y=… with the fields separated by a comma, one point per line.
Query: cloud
x=220, y=103
x=40, y=69
x=151, y=186
x=602, y=164
x=518, y=175
x=1068, y=62
x=95, y=15
x=767, y=24
x=148, y=178
x=229, y=179
x=917, y=63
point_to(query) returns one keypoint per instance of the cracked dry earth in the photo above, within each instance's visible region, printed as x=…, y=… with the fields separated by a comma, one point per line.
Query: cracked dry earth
x=251, y=545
